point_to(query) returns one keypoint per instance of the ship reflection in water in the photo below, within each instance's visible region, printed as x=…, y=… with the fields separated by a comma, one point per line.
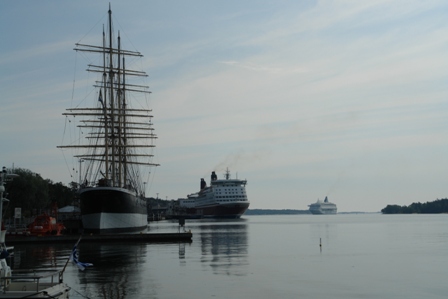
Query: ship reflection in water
x=224, y=245
x=264, y=257
x=116, y=273
x=39, y=256
x=117, y=269
x=148, y=270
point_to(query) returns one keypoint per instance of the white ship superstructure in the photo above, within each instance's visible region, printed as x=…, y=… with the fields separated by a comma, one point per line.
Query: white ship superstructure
x=323, y=208
x=224, y=198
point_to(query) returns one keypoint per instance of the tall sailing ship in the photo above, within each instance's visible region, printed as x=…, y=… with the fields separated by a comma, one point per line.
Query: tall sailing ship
x=117, y=151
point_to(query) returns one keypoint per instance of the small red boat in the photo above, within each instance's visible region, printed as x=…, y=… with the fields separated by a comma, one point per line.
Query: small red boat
x=45, y=225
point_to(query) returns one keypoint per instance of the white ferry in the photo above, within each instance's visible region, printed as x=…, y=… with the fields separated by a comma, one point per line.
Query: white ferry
x=224, y=198
x=325, y=207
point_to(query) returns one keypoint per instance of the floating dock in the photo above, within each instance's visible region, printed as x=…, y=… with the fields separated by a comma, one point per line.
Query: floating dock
x=143, y=237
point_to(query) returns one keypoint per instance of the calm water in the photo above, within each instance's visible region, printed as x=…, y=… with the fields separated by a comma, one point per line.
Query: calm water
x=362, y=256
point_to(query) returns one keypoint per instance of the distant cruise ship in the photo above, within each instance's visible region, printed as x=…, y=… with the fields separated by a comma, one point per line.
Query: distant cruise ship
x=323, y=208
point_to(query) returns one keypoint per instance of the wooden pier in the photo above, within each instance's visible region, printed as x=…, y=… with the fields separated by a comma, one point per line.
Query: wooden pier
x=122, y=238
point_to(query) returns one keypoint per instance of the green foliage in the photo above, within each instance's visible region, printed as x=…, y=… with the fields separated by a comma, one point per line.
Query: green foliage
x=60, y=194
x=31, y=192
x=437, y=206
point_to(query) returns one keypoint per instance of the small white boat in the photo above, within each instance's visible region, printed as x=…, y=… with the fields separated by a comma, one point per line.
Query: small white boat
x=26, y=283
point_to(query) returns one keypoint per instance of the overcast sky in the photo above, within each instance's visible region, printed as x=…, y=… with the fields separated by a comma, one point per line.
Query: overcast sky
x=304, y=99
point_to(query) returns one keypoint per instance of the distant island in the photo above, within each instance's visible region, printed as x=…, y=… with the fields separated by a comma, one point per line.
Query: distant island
x=435, y=207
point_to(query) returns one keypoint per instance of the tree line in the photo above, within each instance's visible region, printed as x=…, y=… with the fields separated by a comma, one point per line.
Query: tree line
x=437, y=206
x=34, y=195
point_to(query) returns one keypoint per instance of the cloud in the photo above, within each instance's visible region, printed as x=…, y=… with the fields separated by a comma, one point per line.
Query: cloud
x=300, y=98
x=34, y=52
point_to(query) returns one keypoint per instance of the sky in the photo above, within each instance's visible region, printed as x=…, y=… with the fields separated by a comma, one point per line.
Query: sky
x=304, y=99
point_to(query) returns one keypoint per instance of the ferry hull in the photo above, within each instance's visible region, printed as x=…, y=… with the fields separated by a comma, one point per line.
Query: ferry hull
x=322, y=209
x=106, y=210
x=229, y=211
x=319, y=212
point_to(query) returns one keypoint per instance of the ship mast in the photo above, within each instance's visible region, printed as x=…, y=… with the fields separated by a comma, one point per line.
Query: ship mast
x=111, y=101
x=124, y=140
x=104, y=103
x=123, y=130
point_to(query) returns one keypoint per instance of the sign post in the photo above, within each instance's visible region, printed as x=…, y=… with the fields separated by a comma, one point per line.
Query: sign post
x=17, y=215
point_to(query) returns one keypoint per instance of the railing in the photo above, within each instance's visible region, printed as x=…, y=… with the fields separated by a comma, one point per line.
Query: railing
x=31, y=280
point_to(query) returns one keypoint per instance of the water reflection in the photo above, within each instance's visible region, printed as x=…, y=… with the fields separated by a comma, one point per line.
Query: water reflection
x=362, y=256
x=323, y=231
x=181, y=251
x=224, y=246
x=122, y=265
x=39, y=256
x=147, y=270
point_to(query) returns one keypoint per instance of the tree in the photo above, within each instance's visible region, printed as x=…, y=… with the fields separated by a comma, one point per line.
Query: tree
x=33, y=194
x=437, y=206
x=391, y=209
x=59, y=194
x=28, y=191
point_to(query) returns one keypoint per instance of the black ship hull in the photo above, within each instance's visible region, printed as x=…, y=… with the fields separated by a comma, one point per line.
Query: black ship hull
x=229, y=211
x=106, y=210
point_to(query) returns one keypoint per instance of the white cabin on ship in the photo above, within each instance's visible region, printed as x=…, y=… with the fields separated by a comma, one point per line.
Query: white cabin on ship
x=323, y=208
x=224, y=198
